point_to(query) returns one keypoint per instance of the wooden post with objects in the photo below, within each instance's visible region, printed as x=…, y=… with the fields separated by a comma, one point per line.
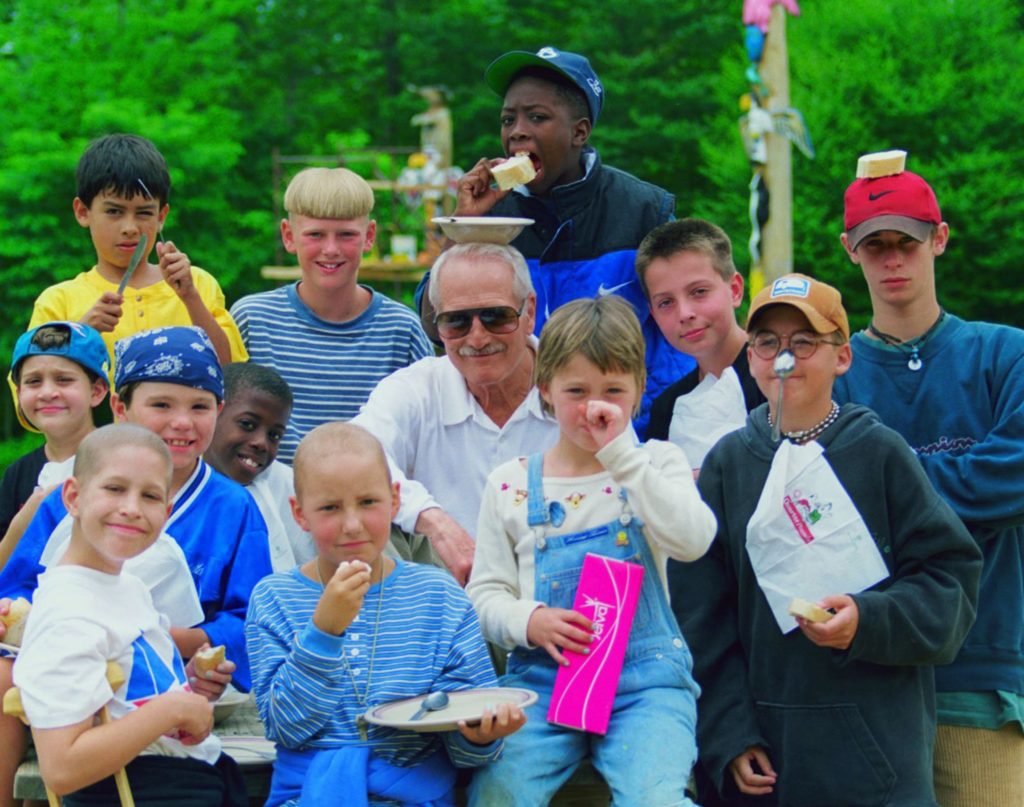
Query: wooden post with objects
x=777, y=250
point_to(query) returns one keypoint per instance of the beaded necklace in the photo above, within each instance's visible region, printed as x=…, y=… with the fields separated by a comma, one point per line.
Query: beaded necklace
x=361, y=723
x=807, y=435
x=911, y=346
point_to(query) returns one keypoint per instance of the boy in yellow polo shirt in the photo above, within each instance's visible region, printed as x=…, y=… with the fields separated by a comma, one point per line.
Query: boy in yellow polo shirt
x=122, y=190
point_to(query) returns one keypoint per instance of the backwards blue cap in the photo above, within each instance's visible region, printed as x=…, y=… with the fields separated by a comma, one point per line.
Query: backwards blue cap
x=574, y=67
x=179, y=355
x=84, y=346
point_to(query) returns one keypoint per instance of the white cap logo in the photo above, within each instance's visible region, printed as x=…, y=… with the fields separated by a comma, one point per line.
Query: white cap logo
x=790, y=287
x=547, y=53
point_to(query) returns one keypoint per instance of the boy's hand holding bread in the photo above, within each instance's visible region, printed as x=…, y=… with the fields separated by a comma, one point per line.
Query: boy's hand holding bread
x=476, y=197
x=839, y=630
x=209, y=671
x=343, y=597
x=13, y=615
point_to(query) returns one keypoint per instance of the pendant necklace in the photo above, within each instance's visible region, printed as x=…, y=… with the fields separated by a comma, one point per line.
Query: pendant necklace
x=807, y=435
x=911, y=346
x=361, y=722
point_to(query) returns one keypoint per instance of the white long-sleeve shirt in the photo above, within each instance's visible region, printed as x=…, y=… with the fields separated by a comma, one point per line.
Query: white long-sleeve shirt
x=659, y=484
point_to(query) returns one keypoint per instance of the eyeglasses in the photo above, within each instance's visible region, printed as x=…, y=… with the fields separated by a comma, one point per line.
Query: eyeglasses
x=766, y=345
x=496, y=319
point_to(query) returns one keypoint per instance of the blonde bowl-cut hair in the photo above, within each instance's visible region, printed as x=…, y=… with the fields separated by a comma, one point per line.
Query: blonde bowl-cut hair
x=604, y=330
x=328, y=193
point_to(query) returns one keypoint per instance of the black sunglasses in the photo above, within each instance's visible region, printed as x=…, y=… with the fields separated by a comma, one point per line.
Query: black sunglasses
x=496, y=319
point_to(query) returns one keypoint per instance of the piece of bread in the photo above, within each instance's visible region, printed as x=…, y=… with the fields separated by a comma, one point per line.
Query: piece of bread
x=881, y=164
x=14, y=621
x=208, y=660
x=515, y=171
x=808, y=610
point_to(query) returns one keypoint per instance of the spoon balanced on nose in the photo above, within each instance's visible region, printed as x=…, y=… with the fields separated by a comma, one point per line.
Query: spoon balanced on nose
x=784, y=364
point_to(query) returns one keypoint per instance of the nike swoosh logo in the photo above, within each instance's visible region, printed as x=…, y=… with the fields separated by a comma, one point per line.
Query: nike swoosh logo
x=604, y=292
x=873, y=197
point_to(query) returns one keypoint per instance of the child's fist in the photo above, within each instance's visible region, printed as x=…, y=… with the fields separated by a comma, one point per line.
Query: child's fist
x=175, y=267
x=105, y=313
x=605, y=421
x=557, y=629
x=343, y=597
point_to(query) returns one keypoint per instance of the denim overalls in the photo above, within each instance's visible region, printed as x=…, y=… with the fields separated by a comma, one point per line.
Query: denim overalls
x=650, y=746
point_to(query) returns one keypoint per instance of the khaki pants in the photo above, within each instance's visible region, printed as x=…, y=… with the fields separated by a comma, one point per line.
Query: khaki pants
x=979, y=767
x=411, y=547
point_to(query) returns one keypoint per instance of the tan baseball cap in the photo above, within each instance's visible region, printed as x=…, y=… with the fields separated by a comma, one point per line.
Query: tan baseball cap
x=819, y=302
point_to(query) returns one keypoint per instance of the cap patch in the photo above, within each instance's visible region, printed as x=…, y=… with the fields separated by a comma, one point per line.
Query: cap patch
x=790, y=287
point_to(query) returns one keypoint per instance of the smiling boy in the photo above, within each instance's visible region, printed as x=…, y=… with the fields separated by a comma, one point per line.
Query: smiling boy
x=121, y=198
x=955, y=391
x=687, y=272
x=589, y=217
x=331, y=338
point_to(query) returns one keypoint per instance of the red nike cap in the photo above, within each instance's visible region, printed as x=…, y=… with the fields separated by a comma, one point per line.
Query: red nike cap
x=903, y=202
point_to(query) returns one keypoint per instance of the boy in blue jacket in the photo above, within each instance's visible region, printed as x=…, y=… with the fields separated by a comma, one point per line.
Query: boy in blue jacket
x=589, y=218
x=955, y=391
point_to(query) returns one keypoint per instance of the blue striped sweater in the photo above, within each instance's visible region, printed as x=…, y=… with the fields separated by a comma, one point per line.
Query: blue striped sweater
x=429, y=640
x=331, y=367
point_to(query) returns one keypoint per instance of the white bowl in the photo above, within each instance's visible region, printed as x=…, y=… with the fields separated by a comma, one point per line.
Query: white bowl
x=224, y=706
x=486, y=229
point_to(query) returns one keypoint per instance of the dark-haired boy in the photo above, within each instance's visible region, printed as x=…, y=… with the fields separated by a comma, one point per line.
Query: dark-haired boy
x=686, y=270
x=122, y=189
x=589, y=218
x=955, y=391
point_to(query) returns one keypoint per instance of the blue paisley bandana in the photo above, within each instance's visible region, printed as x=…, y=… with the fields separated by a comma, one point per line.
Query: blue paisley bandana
x=179, y=355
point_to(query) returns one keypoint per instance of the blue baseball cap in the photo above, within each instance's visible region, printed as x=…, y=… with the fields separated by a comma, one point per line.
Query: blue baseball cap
x=84, y=346
x=576, y=68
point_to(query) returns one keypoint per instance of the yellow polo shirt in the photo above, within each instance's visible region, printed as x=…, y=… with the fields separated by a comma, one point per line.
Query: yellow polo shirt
x=154, y=306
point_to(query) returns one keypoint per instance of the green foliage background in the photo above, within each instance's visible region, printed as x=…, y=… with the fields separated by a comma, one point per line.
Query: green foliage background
x=218, y=84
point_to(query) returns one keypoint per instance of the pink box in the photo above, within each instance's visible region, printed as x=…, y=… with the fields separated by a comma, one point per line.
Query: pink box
x=585, y=689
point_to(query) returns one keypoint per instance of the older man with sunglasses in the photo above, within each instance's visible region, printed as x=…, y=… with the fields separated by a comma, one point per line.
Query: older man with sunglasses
x=446, y=422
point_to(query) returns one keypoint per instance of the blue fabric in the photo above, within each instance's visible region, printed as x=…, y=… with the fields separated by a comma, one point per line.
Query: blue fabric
x=963, y=414
x=175, y=355
x=351, y=774
x=656, y=696
x=224, y=538
x=85, y=347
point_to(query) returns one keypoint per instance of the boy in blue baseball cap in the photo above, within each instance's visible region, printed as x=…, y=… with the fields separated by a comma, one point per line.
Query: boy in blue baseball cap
x=59, y=375
x=588, y=218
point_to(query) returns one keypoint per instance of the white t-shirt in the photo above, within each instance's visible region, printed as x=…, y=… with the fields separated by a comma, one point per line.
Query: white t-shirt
x=80, y=619
x=290, y=545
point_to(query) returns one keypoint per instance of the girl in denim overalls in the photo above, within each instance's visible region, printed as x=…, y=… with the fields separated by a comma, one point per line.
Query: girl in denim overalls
x=595, y=491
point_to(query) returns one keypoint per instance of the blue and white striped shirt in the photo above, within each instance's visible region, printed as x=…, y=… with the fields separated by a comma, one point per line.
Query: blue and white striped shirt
x=429, y=639
x=331, y=367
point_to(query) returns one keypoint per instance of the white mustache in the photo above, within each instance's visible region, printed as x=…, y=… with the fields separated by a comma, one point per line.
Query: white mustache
x=487, y=350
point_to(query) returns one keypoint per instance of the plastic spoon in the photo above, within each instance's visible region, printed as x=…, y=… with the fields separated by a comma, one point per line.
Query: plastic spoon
x=434, y=702
x=784, y=364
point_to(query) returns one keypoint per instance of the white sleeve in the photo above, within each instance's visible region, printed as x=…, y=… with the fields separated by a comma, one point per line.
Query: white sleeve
x=62, y=671
x=388, y=416
x=165, y=572
x=658, y=480
x=494, y=582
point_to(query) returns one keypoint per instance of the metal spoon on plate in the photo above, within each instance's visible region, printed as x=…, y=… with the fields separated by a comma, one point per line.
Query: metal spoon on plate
x=784, y=364
x=434, y=702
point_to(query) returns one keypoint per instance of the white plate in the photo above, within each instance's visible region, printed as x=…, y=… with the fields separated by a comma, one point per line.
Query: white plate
x=226, y=704
x=487, y=229
x=466, y=704
x=13, y=649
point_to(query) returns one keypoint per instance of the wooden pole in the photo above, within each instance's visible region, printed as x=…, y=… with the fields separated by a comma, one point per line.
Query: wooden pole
x=777, y=236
